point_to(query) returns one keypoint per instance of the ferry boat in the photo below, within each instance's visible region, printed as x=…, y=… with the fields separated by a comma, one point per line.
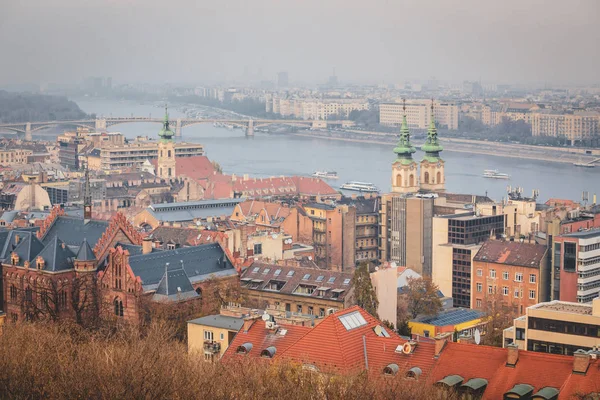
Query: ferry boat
x=360, y=187
x=584, y=165
x=494, y=174
x=325, y=174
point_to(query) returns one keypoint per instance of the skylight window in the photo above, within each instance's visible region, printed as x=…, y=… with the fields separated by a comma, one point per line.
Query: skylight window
x=277, y=272
x=266, y=271
x=320, y=278
x=347, y=281
x=255, y=270
x=306, y=277
x=290, y=273
x=332, y=279
x=352, y=320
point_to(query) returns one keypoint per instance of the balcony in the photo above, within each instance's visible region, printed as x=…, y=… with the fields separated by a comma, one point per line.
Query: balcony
x=212, y=347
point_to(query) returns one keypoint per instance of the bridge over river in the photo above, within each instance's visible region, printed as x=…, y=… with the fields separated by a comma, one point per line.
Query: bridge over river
x=101, y=124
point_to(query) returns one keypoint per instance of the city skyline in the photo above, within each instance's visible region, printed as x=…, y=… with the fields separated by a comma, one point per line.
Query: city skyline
x=514, y=42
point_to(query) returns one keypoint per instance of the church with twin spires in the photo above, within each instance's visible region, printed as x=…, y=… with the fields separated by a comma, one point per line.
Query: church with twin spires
x=407, y=176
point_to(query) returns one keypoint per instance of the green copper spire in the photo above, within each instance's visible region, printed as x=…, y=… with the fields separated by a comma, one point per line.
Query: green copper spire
x=432, y=146
x=165, y=133
x=404, y=149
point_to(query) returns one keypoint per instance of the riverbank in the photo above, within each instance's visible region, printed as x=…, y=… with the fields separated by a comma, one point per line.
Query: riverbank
x=559, y=155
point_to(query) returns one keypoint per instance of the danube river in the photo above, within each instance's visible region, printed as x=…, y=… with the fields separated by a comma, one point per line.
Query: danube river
x=285, y=154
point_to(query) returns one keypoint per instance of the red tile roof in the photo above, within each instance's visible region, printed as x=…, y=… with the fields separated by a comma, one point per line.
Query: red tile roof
x=511, y=253
x=195, y=167
x=330, y=347
x=536, y=369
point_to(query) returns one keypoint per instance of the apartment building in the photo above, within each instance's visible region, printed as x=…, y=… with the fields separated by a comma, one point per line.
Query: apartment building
x=315, y=109
x=405, y=230
x=522, y=218
x=574, y=127
x=334, y=235
x=557, y=327
x=134, y=154
x=456, y=239
x=418, y=115
x=519, y=271
x=577, y=257
x=295, y=289
x=15, y=156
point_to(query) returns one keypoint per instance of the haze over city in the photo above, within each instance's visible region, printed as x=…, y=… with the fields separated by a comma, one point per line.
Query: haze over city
x=300, y=200
x=524, y=42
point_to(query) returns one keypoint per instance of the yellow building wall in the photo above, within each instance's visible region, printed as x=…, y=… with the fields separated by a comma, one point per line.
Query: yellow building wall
x=196, y=338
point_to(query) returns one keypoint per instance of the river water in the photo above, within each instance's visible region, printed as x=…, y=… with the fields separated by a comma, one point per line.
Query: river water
x=285, y=154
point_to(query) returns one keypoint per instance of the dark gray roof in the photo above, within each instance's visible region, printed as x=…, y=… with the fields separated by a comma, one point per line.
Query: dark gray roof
x=57, y=256
x=219, y=321
x=73, y=230
x=85, y=252
x=28, y=247
x=174, y=285
x=133, y=249
x=199, y=262
x=584, y=234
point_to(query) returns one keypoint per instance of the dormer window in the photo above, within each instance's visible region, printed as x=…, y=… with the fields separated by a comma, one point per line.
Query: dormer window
x=171, y=246
x=269, y=352
x=40, y=263
x=14, y=259
x=391, y=370
x=244, y=348
x=414, y=373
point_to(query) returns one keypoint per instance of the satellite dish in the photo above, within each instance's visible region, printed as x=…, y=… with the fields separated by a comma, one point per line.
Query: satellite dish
x=407, y=348
x=309, y=258
x=274, y=236
x=378, y=330
x=266, y=317
x=477, y=336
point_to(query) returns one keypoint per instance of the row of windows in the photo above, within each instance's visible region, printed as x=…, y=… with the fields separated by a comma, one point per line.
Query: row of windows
x=505, y=275
x=518, y=293
x=590, y=247
x=567, y=327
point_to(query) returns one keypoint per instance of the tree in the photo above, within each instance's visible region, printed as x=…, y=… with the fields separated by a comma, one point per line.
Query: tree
x=499, y=315
x=422, y=297
x=364, y=293
x=217, y=167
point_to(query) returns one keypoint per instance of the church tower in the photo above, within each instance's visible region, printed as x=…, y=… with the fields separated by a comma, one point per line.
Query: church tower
x=166, y=151
x=432, y=166
x=87, y=197
x=404, y=169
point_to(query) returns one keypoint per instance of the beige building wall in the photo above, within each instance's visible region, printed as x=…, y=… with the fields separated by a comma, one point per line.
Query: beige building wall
x=441, y=256
x=570, y=126
x=384, y=281
x=14, y=157
x=418, y=114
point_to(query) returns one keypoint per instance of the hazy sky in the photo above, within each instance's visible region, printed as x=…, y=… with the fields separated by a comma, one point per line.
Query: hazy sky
x=554, y=41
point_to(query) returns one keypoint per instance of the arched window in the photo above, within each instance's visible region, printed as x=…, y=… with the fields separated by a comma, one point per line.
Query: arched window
x=169, y=153
x=426, y=177
x=411, y=180
x=118, y=307
x=169, y=171
x=399, y=180
x=13, y=292
x=439, y=177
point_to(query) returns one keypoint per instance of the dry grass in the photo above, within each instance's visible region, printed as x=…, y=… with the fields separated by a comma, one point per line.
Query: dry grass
x=62, y=361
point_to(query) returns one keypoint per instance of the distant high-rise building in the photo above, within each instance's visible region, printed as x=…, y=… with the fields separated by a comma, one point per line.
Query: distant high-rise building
x=282, y=79
x=333, y=80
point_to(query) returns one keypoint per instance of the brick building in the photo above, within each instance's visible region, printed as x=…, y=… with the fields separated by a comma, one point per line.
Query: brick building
x=519, y=271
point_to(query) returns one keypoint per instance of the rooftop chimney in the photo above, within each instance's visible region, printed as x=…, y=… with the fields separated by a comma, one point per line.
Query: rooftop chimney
x=581, y=362
x=146, y=245
x=513, y=355
x=440, y=342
